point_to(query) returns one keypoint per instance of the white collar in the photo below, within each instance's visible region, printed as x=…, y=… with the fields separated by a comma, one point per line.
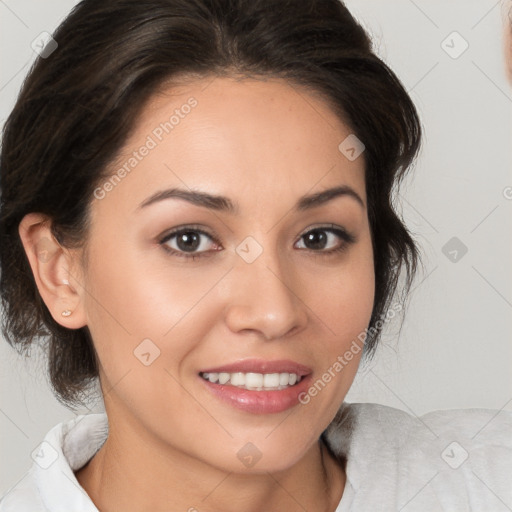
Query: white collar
x=67, y=447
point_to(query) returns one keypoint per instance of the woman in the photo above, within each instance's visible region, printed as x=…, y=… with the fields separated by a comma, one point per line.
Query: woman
x=197, y=210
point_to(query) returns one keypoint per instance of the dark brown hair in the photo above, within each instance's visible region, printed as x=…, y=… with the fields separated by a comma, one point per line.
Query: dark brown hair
x=78, y=105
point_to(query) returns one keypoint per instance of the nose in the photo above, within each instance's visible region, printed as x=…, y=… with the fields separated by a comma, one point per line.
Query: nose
x=264, y=298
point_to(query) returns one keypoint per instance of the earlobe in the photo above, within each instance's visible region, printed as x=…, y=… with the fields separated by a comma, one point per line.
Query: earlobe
x=50, y=264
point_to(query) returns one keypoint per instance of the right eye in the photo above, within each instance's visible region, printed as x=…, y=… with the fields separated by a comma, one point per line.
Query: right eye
x=188, y=242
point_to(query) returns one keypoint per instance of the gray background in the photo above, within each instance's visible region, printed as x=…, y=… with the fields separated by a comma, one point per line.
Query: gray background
x=454, y=350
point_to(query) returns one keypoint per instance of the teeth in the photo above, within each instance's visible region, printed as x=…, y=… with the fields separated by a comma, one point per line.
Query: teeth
x=237, y=379
x=224, y=378
x=254, y=381
x=271, y=380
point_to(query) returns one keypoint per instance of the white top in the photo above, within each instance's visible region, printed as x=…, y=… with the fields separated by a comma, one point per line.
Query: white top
x=452, y=461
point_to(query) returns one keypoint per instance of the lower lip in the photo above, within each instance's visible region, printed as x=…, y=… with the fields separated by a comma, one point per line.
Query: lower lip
x=259, y=402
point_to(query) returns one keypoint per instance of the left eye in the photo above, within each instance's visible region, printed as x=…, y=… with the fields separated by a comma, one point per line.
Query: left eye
x=324, y=239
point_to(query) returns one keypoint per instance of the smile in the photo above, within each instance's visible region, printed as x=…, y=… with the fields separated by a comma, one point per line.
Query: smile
x=257, y=386
x=254, y=381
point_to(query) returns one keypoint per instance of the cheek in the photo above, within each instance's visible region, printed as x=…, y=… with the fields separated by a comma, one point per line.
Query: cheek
x=345, y=304
x=342, y=296
x=129, y=302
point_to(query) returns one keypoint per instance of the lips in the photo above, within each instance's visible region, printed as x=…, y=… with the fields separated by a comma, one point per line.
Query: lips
x=258, y=386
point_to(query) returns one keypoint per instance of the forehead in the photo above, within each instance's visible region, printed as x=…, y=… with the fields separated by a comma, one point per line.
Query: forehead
x=232, y=135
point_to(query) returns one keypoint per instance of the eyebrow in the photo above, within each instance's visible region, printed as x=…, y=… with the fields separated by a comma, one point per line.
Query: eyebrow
x=224, y=204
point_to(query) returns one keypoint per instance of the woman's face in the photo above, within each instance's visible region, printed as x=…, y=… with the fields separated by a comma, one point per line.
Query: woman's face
x=270, y=286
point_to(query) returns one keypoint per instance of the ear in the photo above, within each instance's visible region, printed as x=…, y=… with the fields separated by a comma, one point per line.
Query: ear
x=55, y=270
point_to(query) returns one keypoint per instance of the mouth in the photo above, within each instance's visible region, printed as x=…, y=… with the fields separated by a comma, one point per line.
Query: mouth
x=253, y=381
x=258, y=386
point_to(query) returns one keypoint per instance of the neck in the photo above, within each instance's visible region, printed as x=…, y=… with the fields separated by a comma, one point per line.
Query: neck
x=130, y=475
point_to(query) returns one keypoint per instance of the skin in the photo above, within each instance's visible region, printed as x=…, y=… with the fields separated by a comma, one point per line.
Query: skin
x=172, y=445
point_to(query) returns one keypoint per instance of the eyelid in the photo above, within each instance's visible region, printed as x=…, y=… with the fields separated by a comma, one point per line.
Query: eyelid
x=339, y=230
x=188, y=227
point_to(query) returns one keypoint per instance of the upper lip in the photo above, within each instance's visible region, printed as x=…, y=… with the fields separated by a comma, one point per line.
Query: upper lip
x=261, y=366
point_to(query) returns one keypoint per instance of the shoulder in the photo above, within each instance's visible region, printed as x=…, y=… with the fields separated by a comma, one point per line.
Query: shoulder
x=450, y=457
x=23, y=497
x=50, y=484
x=376, y=425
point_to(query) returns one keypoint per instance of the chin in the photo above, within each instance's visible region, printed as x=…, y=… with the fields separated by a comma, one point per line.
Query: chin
x=264, y=454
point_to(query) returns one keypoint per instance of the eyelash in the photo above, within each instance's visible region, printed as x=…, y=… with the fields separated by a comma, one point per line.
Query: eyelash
x=340, y=232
